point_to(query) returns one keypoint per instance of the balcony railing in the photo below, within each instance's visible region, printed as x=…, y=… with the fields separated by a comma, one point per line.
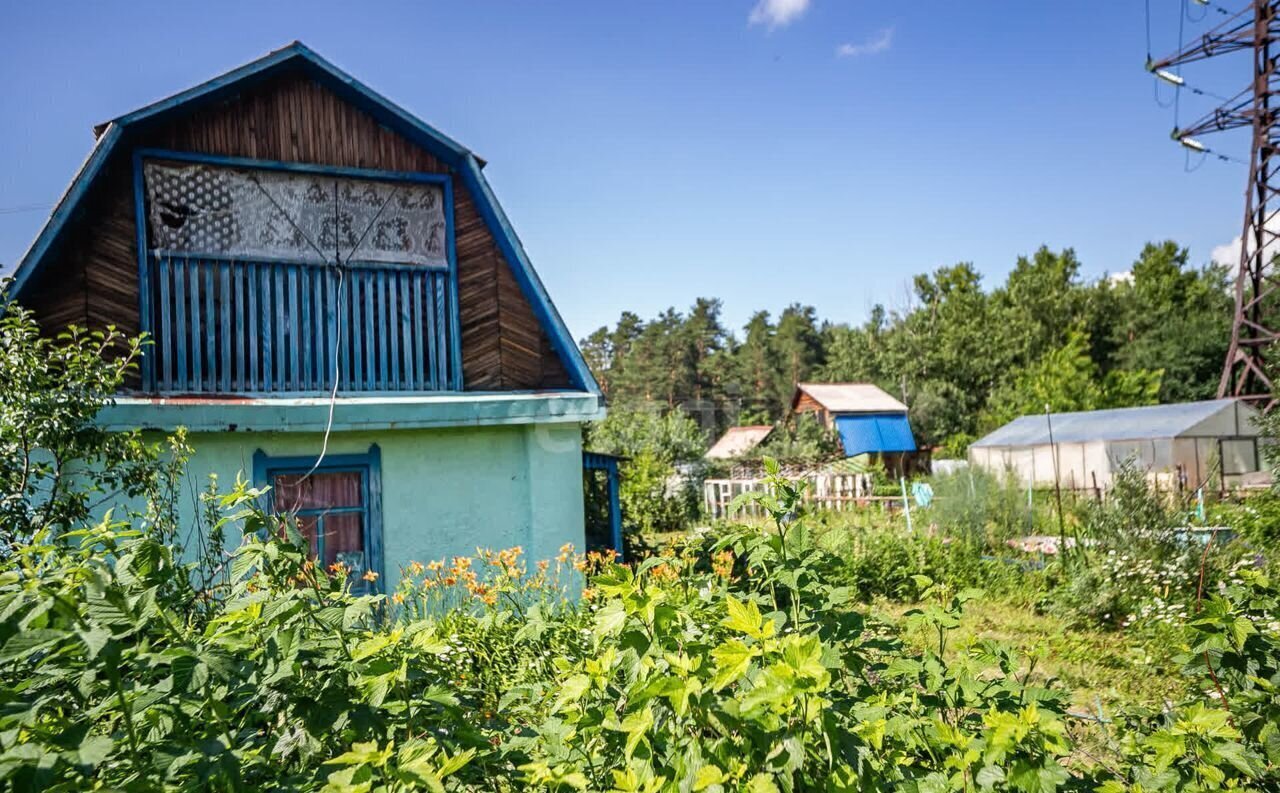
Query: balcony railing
x=225, y=326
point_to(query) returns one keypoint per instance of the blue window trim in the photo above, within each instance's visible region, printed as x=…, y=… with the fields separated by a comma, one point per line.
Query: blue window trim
x=297, y=167
x=444, y=180
x=266, y=467
x=594, y=461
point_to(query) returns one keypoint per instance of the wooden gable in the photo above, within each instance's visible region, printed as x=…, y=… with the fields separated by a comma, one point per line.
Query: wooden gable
x=91, y=278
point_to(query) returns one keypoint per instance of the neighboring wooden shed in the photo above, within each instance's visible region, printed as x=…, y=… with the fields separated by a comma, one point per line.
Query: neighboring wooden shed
x=737, y=441
x=868, y=420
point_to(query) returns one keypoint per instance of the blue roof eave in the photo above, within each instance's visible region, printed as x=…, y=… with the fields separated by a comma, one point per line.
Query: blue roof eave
x=276, y=413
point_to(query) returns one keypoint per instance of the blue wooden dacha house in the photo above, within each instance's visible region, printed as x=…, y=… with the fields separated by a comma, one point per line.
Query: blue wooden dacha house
x=327, y=280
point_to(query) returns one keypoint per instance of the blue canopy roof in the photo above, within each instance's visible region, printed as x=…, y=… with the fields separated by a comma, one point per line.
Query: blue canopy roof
x=875, y=432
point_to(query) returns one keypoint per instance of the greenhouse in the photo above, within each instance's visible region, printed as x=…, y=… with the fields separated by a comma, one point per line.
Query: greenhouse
x=1180, y=446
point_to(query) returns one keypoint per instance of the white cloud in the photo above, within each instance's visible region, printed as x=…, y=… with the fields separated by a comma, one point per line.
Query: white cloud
x=1228, y=253
x=777, y=13
x=872, y=46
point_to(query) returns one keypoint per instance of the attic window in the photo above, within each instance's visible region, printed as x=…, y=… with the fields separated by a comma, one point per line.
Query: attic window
x=299, y=217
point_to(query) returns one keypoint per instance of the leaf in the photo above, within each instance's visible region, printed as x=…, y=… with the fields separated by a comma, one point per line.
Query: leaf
x=989, y=776
x=744, y=617
x=457, y=762
x=804, y=656
x=356, y=779
x=291, y=741
x=94, y=639
x=571, y=690
x=611, y=619
x=1167, y=747
x=761, y=783
x=93, y=750
x=363, y=754
x=429, y=643
x=374, y=645
x=707, y=776
x=733, y=659
x=29, y=642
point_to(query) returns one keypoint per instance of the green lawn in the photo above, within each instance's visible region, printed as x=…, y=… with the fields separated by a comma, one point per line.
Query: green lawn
x=1103, y=669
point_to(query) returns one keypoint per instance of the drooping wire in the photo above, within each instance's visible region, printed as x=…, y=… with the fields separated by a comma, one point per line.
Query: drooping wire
x=341, y=267
x=285, y=215
x=1206, y=153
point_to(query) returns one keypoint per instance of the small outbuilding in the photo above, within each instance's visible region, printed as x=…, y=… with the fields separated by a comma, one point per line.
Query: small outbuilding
x=868, y=420
x=1183, y=445
x=738, y=441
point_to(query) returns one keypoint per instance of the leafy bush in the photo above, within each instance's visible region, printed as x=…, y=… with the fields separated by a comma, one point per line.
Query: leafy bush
x=56, y=464
x=980, y=506
x=1256, y=517
x=732, y=662
x=653, y=497
x=803, y=437
x=890, y=562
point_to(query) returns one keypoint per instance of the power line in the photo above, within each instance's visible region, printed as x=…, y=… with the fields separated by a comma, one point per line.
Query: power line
x=20, y=208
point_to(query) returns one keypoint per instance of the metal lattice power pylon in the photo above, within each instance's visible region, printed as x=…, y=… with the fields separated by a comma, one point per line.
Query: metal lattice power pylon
x=1256, y=28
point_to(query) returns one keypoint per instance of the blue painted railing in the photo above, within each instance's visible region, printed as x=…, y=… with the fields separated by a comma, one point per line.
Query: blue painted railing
x=225, y=326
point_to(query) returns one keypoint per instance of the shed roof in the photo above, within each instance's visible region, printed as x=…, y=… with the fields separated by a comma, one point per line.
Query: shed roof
x=1116, y=424
x=850, y=397
x=737, y=441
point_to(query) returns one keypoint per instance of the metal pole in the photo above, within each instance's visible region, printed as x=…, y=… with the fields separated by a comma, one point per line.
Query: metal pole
x=906, y=504
x=1254, y=331
x=1057, y=487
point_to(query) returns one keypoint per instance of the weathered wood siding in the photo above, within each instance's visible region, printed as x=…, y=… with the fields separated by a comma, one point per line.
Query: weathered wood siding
x=92, y=279
x=807, y=404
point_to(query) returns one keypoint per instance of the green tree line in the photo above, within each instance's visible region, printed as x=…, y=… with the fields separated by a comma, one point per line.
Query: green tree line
x=965, y=358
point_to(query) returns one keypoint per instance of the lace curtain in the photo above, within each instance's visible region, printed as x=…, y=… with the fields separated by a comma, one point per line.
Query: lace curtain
x=299, y=217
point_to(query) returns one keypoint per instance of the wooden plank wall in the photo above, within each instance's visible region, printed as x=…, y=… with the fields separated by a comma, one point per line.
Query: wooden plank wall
x=93, y=279
x=807, y=404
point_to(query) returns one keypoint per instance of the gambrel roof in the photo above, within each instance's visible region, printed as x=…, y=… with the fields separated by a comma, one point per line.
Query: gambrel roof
x=120, y=132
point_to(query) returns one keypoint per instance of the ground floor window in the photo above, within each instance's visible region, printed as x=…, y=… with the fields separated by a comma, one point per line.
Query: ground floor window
x=337, y=506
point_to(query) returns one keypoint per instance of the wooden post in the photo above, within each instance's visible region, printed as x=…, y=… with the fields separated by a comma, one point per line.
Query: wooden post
x=1057, y=486
x=615, y=507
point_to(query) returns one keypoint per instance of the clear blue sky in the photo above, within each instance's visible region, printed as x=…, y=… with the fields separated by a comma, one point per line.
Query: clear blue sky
x=652, y=152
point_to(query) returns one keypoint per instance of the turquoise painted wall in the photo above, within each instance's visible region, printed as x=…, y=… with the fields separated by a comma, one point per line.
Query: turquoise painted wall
x=444, y=491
